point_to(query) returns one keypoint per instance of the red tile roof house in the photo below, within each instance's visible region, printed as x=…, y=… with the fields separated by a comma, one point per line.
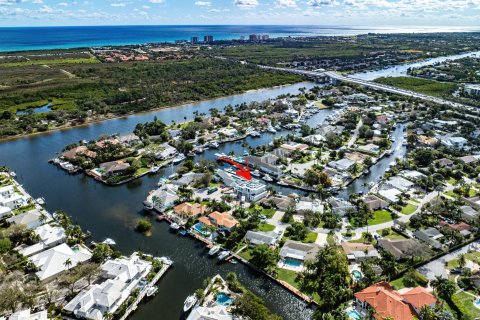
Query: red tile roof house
x=386, y=302
x=220, y=220
x=188, y=210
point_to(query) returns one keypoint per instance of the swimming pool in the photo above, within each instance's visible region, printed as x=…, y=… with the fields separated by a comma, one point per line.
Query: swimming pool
x=223, y=299
x=292, y=262
x=357, y=275
x=354, y=315
x=200, y=229
x=476, y=303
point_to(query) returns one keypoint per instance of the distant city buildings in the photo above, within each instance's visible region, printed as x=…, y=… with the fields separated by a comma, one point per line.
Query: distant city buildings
x=208, y=39
x=194, y=40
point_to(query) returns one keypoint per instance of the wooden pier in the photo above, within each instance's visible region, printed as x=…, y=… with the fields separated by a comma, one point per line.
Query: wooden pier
x=143, y=293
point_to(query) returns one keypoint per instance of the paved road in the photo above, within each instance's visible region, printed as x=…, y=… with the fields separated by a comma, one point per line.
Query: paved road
x=437, y=267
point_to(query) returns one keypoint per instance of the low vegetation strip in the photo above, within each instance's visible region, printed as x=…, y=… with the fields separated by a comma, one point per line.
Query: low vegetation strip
x=49, y=62
x=429, y=87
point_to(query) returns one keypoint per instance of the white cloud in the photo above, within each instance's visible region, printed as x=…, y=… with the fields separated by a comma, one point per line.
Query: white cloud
x=118, y=5
x=157, y=1
x=202, y=3
x=63, y=4
x=246, y=3
x=319, y=3
x=286, y=3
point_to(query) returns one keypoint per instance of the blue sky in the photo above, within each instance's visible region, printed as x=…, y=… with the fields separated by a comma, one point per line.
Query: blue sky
x=191, y=12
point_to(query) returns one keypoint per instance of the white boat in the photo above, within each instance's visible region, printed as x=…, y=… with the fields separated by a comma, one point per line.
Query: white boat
x=189, y=302
x=213, y=251
x=165, y=260
x=271, y=130
x=213, y=145
x=255, y=134
x=13, y=174
x=223, y=255
x=40, y=201
x=174, y=226
x=256, y=173
x=282, y=183
x=154, y=169
x=109, y=241
x=267, y=178
x=389, y=152
x=152, y=291
x=161, y=182
x=179, y=158
x=371, y=184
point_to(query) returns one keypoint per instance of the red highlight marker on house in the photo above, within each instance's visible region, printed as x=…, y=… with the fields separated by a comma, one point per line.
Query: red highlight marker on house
x=243, y=171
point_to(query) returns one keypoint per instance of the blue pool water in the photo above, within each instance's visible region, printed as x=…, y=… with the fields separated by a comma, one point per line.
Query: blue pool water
x=354, y=315
x=357, y=275
x=199, y=228
x=224, y=299
x=292, y=262
x=477, y=303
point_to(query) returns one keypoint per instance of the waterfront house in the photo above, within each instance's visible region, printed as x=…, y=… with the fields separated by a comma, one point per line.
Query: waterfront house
x=369, y=148
x=281, y=202
x=254, y=238
x=294, y=254
x=266, y=163
x=399, y=183
x=164, y=197
x=28, y=315
x=122, y=276
x=114, y=168
x=357, y=252
x=51, y=262
x=391, y=194
x=188, y=179
x=386, y=302
x=129, y=139
x=341, y=165
x=6, y=192
x=223, y=221
x=104, y=143
x=308, y=204
x=314, y=140
x=426, y=141
x=412, y=175
x=287, y=148
x=374, y=203
x=167, y=152
x=31, y=219
x=49, y=237
x=246, y=190
x=187, y=210
x=215, y=312
x=469, y=159
x=73, y=153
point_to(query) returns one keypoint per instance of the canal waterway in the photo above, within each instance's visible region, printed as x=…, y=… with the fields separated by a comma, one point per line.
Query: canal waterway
x=401, y=70
x=112, y=211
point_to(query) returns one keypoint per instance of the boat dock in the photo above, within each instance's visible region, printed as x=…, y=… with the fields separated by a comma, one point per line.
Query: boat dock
x=143, y=293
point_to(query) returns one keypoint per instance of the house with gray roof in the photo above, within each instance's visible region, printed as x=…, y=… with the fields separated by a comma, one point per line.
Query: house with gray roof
x=430, y=236
x=254, y=238
x=468, y=213
x=294, y=254
x=31, y=219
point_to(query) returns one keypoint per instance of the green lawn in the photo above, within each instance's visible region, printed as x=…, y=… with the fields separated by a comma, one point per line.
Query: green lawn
x=472, y=256
x=464, y=302
x=268, y=212
x=391, y=235
x=380, y=216
x=362, y=239
x=430, y=87
x=47, y=62
x=246, y=253
x=311, y=237
x=409, y=209
x=265, y=227
x=452, y=181
x=290, y=277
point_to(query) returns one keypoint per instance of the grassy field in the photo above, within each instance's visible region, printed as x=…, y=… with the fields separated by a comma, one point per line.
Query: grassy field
x=429, y=87
x=265, y=227
x=49, y=62
x=380, y=216
x=311, y=237
x=464, y=302
x=409, y=209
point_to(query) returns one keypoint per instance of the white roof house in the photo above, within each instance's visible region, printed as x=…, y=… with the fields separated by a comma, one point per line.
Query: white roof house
x=27, y=315
x=31, y=219
x=164, y=197
x=49, y=237
x=399, y=183
x=6, y=192
x=5, y=211
x=342, y=164
x=210, y=313
x=14, y=201
x=122, y=277
x=390, y=194
x=51, y=262
x=454, y=142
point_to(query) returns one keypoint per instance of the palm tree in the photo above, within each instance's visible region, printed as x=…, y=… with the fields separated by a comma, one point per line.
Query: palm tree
x=444, y=287
x=68, y=263
x=462, y=261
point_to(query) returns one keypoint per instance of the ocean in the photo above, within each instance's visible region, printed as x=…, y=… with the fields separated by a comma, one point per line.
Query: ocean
x=36, y=38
